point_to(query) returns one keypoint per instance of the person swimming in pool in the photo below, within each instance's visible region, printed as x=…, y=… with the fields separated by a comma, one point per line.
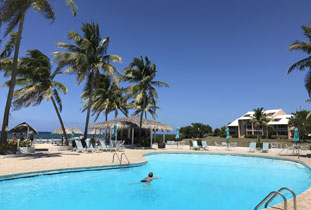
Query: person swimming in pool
x=149, y=178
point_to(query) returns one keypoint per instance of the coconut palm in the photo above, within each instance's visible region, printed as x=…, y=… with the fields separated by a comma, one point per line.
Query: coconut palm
x=260, y=120
x=12, y=13
x=151, y=107
x=304, y=46
x=107, y=97
x=37, y=83
x=142, y=74
x=6, y=62
x=86, y=57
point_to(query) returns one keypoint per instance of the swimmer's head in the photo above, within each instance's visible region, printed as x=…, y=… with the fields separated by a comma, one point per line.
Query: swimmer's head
x=150, y=174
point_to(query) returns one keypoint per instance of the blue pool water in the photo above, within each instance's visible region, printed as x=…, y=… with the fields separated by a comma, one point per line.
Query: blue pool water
x=215, y=182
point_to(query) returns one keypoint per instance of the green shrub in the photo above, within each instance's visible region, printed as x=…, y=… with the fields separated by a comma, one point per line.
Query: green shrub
x=24, y=143
x=223, y=135
x=259, y=145
x=251, y=136
x=234, y=136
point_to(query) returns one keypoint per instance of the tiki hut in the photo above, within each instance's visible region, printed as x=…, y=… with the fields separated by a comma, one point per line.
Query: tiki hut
x=60, y=131
x=129, y=124
x=23, y=128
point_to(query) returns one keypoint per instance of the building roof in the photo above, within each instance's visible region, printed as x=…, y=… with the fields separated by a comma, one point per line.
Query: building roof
x=280, y=120
x=277, y=119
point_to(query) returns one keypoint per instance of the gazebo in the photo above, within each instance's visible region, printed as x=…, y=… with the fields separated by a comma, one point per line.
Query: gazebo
x=132, y=123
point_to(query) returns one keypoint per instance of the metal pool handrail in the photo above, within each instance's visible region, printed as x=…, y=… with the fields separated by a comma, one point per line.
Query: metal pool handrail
x=116, y=154
x=280, y=190
x=123, y=154
x=274, y=193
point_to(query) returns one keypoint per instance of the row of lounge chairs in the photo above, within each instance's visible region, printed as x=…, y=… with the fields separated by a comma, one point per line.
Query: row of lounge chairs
x=102, y=146
x=265, y=147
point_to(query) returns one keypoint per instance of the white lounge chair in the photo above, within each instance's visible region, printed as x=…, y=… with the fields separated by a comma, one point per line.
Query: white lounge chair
x=102, y=145
x=217, y=145
x=195, y=145
x=79, y=145
x=252, y=147
x=265, y=147
x=204, y=145
x=90, y=146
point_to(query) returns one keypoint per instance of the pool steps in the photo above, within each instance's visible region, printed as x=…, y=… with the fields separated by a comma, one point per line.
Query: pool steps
x=273, y=195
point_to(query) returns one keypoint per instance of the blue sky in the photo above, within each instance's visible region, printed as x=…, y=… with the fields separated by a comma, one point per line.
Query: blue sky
x=220, y=58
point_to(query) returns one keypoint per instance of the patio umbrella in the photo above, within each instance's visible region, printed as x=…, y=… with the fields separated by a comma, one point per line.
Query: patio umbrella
x=23, y=128
x=296, y=135
x=77, y=130
x=177, y=133
x=227, y=136
x=115, y=135
x=72, y=135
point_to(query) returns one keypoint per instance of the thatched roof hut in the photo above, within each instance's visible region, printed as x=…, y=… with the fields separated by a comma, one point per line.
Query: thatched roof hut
x=132, y=122
x=60, y=131
x=23, y=128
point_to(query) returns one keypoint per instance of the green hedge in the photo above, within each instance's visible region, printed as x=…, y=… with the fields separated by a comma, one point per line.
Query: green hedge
x=251, y=136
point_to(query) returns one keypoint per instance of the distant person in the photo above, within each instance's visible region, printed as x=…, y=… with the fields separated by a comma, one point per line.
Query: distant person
x=149, y=178
x=31, y=139
x=22, y=137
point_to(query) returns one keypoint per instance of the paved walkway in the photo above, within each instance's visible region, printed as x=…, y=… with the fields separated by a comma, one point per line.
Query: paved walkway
x=66, y=159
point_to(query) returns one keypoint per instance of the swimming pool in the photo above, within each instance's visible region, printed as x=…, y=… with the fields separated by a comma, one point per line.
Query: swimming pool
x=186, y=181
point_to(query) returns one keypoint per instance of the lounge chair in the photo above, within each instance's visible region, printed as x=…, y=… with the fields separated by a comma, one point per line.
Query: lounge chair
x=102, y=145
x=204, y=145
x=217, y=145
x=113, y=145
x=265, y=147
x=274, y=145
x=232, y=144
x=195, y=145
x=90, y=146
x=79, y=145
x=252, y=147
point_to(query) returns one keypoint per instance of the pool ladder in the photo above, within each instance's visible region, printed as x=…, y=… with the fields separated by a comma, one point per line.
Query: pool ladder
x=120, y=159
x=274, y=194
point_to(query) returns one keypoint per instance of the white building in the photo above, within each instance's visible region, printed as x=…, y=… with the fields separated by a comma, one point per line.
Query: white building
x=279, y=122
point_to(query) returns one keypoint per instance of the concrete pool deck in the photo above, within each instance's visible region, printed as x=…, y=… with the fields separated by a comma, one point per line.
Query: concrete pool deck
x=45, y=160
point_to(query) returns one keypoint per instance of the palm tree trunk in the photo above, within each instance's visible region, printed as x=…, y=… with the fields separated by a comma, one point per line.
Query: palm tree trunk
x=141, y=119
x=61, y=122
x=106, y=119
x=89, y=106
x=12, y=82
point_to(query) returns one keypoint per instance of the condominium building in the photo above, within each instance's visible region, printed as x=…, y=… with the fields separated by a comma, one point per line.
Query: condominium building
x=278, y=121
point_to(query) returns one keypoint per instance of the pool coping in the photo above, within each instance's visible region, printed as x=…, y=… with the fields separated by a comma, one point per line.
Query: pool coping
x=117, y=166
x=67, y=170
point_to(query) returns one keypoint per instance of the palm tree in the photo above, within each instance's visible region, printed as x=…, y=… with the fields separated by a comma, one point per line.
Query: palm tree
x=142, y=74
x=151, y=107
x=107, y=97
x=37, y=83
x=5, y=60
x=260, y=120
x=12, y=13
x=86, y=58
x=304, y=46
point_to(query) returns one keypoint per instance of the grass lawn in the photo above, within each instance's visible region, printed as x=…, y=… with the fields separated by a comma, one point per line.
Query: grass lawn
x=244, y=142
